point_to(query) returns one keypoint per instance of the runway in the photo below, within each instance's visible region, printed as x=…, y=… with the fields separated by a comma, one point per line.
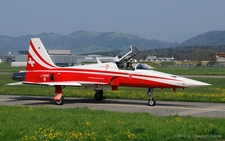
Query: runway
x=162, y=108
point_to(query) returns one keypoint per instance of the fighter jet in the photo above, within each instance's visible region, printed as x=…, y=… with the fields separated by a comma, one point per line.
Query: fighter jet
x=40, y=70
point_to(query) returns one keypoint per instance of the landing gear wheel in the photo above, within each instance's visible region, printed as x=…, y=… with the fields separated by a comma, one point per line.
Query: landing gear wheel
x=99, y=95
x=151, y=102
x=60, y=102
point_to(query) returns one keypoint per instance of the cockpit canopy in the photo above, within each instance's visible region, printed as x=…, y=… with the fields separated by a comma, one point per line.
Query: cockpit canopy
x=123, y=59
x=127, y=54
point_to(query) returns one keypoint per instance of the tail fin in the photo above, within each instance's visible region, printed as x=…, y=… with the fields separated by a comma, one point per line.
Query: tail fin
x=38, y=58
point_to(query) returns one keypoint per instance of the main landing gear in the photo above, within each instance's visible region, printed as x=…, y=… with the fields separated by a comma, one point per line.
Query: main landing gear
x=58, y=99
x=151, y=101
x=98, y=95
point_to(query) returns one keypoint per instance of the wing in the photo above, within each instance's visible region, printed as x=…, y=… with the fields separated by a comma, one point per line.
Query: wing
x=68, y=83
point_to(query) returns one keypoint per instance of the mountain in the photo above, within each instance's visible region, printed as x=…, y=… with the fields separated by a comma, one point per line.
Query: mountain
x=81, y=42
x=208, y=38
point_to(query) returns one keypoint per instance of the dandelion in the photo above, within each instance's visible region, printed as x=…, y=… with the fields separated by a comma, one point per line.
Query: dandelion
x=88, y=123
x=129, y=134
x=223, y=99
x=178, y=119
x=212, y=125
x=25, y=138
x=121, y=122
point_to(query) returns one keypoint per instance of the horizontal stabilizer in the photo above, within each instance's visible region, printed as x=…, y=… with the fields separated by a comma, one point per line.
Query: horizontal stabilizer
x=77, y=84
x=16, y=83
x=72, y=83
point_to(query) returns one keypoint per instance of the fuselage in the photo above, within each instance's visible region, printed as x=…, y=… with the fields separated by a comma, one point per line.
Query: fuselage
x=109, y=74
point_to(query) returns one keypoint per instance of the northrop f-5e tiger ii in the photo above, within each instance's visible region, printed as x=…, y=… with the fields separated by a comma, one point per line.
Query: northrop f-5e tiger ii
x=40, y=70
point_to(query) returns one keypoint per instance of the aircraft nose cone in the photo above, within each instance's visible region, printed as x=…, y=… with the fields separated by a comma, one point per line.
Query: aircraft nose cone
x=194, y=83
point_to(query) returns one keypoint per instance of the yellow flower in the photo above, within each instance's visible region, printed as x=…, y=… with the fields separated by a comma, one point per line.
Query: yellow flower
x=88, y=123
x=178, y=119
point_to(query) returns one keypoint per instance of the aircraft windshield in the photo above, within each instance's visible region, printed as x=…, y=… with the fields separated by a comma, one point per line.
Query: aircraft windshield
x=143, y=67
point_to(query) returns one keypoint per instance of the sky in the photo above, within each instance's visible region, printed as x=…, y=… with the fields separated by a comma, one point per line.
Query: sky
x=163, y=20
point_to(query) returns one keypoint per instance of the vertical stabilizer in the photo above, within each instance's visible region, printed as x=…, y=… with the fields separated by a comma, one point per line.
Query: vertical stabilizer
x=38, y=58
x=98, y=61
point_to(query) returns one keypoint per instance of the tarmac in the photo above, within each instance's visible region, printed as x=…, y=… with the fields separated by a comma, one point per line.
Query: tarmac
x=162, y=108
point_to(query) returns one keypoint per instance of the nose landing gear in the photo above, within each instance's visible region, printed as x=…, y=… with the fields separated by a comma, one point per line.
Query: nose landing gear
x=151, y=101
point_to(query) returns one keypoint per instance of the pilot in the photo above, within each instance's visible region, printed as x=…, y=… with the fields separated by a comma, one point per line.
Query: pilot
x=129, y=66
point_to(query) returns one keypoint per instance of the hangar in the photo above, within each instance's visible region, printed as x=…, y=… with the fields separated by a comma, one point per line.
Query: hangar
x=59, y=57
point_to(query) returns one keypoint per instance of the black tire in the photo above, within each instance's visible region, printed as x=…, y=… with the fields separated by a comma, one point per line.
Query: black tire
x=99, y=95
x=151, y=102
x=60, y=102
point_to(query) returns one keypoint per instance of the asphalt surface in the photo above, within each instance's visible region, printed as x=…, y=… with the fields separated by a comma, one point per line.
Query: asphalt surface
x=162, y=108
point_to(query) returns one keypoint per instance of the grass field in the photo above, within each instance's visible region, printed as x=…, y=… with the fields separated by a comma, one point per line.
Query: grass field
x=49, y=124
x=194, y=71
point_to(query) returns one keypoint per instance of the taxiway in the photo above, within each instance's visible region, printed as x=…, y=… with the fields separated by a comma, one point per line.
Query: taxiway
x=162, y=108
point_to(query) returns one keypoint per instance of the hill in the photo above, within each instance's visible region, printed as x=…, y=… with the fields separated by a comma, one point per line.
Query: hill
x=206, y=39
x=81, y=42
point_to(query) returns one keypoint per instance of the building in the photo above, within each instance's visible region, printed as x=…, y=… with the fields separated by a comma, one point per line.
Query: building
x=59, y=57
x=8, y=58
x=154, y=58
x=59, y=52
x=220, y=57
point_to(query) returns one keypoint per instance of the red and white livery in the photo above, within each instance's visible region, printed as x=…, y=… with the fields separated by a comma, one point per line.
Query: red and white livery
x=40, y=70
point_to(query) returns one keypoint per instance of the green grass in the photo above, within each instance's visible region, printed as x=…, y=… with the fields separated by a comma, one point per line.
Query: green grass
x=27, y=124
x=194, y=71
x=7, y=68
x=169, y=67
